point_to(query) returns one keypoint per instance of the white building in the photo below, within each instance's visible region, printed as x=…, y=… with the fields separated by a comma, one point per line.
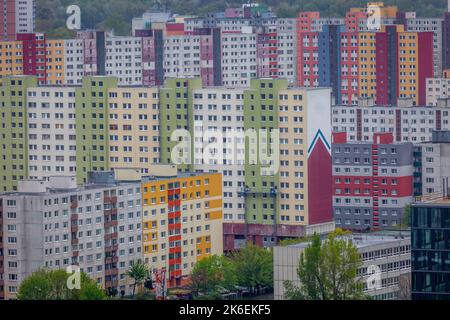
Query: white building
x=430, y=25
x=124, y=59
x=25, y=16
x=437, y=91
x=51, y=131
x=218, y=114
x=388, y=253
x=73, y=61
x=408, y=124
x=239, y=58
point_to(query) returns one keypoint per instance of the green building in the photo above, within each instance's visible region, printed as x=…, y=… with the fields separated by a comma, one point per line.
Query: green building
x=260, y=114
x=13, y=130
x=91, y=101
x=176, y=113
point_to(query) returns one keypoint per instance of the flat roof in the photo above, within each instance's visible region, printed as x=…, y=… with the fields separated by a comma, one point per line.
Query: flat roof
x=362, y=240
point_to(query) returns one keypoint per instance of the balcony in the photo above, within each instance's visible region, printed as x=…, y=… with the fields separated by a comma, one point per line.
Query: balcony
x=111, y=272
x=110, y=211
x=74, y=241
x=111, y=248
x=75, y=253
x=109, y=224
x=110, y=236
x=110, y=200
x=73, y=204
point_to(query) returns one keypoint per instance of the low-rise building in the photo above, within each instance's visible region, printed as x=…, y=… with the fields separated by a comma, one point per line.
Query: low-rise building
x=386, y=253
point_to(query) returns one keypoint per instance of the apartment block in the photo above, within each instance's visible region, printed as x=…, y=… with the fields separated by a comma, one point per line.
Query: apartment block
x=73, y=61
x=13, y=130
x=182, y=221
x=437, y=91
x=133, y=127
x=406, y=122
x=18, y=16
x=415, y=24
x=51, y=131
x=435, y=163
x=372, y=182
x=388, y=251
x=91, y=100
x=55, y=54
x=55, y=224
x=176, y=117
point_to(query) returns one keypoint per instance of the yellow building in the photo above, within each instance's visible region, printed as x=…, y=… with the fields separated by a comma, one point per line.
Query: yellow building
x=408, y=66
x=11, y=61
x=182, y=222
x=55, y=62
x=133, y=127
x=367, y=65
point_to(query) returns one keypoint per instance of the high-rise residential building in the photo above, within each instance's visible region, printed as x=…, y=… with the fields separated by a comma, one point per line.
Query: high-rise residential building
x=11, y=59
x=182, y=221
x=133, y=127
x=55, y=224
x=50, y=132
x=372, y=182
x=13, y=130
x=176, y=120
x=55, y=54
x=435, y=163
x=18, y=16
x=194, y=54
x=388, y=251
x=415, y=24
x=430, y=257
x=91, y=100
x=437, y=93
x=104, y=226
x=406, y=123
x=94, y=52
x=360, y=62
x=270, y=187
x=73, y=61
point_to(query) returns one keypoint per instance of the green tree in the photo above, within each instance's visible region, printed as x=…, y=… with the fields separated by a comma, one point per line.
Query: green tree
x=45, y=284
x=138, y=272
x=328, y=271
x=212, y=272
x=253, y=266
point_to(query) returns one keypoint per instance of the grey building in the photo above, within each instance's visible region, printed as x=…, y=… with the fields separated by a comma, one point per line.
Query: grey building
x=56, y=224
x=387, y=254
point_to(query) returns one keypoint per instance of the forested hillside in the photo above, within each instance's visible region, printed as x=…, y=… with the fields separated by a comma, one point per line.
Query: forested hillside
x=117, y=14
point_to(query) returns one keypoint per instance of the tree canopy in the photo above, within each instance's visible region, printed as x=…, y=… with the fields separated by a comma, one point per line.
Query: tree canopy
x=327, y=271
x=45, y=284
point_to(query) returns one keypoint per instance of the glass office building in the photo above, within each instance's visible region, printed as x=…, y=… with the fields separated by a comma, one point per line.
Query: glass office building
x=430, y=242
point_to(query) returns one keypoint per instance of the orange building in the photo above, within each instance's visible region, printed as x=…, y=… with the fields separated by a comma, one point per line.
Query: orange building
x=55, y=62
x=11, y=58
x=182, y=222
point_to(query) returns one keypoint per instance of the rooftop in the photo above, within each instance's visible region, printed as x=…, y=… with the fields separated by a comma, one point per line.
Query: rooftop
x=362, y=240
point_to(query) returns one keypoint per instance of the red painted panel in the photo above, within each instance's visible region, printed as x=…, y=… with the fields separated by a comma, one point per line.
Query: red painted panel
x=381, y=68
x=425, y=63
x=320, y=185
